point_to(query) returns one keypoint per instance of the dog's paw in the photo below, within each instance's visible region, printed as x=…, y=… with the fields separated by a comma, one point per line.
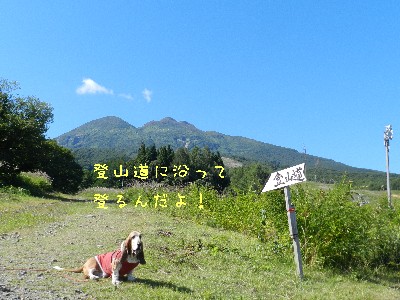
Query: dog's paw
x=94, y=277
x=116, y=282
x=131, y=278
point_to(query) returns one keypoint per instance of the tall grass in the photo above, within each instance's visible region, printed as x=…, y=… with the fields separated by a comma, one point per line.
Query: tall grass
x=334, y=231
x=339, y=233
x=30, y=183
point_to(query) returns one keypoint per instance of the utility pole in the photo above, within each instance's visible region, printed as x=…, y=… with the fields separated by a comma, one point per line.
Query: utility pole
x=387, y=136
x=305, y=158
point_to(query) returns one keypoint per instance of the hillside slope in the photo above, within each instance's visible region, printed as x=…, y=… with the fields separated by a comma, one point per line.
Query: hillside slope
x=111, y=137
x=113, y=133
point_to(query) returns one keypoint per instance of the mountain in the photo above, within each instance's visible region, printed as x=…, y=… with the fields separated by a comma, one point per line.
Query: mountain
x=102, y=133
x=100, y=139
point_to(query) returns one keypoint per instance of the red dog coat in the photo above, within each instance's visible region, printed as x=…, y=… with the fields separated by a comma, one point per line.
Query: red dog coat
x=104, y=261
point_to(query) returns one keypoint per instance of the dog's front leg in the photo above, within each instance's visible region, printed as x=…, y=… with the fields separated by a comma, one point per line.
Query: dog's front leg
x=116, y=266
x=131, y=277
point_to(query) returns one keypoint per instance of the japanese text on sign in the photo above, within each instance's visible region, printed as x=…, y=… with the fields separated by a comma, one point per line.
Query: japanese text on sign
x=285, y=177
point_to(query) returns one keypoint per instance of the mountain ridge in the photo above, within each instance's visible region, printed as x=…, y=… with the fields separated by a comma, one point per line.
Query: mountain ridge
x=114, y=133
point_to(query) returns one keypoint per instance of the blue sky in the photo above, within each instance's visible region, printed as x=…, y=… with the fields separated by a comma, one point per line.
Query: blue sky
x=323, y=75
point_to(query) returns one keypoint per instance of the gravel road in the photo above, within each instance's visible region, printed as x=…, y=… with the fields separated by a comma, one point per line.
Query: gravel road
x=26, y=264
x=27, y=257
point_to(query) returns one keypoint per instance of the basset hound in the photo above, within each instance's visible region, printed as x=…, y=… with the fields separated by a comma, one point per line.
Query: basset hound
x=115, y=264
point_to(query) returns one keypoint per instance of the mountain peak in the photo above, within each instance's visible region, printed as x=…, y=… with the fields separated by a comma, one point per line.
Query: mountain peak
x=170, y=122
x=100, y=133
x=109, y=122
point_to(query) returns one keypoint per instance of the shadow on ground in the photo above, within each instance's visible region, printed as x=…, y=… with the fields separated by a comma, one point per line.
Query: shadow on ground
x=162, y=284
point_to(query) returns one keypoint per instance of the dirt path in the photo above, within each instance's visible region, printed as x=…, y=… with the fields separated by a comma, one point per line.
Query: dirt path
x=27, y=256
x=27, y=259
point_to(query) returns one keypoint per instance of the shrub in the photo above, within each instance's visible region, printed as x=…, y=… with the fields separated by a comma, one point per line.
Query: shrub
x=334, y=231
x=32, y=183
x=338, y=233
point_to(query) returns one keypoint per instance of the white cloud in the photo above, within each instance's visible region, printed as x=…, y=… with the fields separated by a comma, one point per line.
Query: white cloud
x=89, y=86
x=126, y=96
x=147, y=94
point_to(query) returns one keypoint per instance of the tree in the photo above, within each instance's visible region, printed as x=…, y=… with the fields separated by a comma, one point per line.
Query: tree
x=151, y=153
x=200, y=165
x=59, y=163
x=181, y=162
x=211, y=163
x=23, y=145
x=23, y=124
x=165, y=156
x=142, y=156
x=249, y=178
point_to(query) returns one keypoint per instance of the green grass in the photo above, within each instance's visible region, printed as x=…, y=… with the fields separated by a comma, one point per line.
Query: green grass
x=185, y=259
x=19, y=211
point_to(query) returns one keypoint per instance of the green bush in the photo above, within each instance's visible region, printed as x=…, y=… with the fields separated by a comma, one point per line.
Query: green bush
x=334, y=231
x=14, y=190
x=259, y=215
x=29, y=183
x=339, y=233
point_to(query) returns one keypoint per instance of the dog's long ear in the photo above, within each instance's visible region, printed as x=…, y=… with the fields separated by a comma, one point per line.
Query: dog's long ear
x=128, y=244
x=140, y=255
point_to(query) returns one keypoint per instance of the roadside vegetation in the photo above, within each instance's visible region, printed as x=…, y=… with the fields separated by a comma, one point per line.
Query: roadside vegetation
x=237, y=245
x=190, y=253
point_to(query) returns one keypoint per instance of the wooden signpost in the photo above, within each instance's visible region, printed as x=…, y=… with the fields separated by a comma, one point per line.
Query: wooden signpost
x=285, y=178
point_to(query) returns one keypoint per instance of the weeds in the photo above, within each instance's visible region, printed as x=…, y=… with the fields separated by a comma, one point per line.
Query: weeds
x=334, y=231
x=188, y=260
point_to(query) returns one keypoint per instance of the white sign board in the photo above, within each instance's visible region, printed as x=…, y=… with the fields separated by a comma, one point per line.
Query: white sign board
x=285, y=177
